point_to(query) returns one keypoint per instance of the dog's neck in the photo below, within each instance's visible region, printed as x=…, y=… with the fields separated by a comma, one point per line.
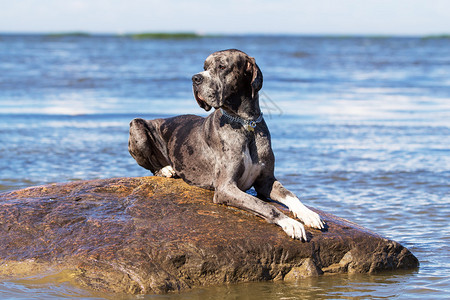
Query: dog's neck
x=248, y=113
x=247, y=124
x=244, y=108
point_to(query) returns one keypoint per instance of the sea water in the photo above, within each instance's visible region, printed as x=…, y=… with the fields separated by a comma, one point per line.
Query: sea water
x=360, y=128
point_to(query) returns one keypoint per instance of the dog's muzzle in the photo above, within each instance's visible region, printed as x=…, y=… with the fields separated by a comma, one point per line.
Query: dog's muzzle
x=197, y=79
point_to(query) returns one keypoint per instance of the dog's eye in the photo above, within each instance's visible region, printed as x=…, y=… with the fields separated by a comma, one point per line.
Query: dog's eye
x=222, y=67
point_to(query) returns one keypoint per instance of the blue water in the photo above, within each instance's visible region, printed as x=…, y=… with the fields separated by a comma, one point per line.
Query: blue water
x=360, y=128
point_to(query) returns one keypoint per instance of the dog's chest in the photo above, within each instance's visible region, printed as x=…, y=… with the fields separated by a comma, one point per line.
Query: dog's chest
x=251, y=171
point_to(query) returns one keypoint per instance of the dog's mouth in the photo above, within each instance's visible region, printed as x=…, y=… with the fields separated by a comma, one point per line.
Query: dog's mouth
x=201, y=102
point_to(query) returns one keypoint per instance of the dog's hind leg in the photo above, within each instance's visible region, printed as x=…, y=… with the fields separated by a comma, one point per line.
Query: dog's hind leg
x=147, y=147
x=167, y=171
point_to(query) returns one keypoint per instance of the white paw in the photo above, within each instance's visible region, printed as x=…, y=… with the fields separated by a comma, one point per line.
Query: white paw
x=293, y=228
x=307, y=216
x=167, y=171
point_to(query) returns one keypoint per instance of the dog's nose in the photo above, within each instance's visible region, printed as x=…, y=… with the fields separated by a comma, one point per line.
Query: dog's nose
x=197, y=79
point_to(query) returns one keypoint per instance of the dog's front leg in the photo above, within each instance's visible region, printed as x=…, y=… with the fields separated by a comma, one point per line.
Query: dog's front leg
x=231, y=195
x=274, y=190
x=308, y=217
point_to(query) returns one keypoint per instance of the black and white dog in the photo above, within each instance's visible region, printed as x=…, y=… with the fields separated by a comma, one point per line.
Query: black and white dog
x=230, y=150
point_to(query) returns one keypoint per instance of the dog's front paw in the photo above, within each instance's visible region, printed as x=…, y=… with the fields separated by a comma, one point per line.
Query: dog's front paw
x=293, y=228
x=309, y=218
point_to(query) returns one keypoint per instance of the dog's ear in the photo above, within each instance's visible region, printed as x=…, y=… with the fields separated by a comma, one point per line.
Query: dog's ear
x=257, y=77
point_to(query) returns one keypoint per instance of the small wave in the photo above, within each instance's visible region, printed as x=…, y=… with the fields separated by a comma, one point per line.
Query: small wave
x=300, y=54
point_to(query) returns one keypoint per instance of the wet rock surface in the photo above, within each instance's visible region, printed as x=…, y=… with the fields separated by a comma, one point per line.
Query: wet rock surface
x=154, y=235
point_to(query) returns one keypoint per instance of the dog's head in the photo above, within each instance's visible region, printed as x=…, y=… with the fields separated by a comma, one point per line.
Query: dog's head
x=231, y=79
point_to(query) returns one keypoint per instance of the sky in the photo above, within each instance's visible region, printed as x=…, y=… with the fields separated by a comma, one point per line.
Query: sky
x=366, y=17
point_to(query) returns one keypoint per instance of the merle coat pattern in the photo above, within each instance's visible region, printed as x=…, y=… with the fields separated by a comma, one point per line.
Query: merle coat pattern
x=219, y=153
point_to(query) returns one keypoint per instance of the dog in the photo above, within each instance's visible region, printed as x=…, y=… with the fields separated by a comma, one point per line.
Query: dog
x=229, y=151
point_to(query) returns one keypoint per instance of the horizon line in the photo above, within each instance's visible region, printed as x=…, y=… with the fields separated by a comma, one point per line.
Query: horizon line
x=219, y=34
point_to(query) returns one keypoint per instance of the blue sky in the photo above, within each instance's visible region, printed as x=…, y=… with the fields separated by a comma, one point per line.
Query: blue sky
x=397, y=17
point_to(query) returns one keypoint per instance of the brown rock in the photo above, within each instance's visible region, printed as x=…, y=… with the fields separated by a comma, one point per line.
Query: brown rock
x=153, y=235
x=307, y=269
